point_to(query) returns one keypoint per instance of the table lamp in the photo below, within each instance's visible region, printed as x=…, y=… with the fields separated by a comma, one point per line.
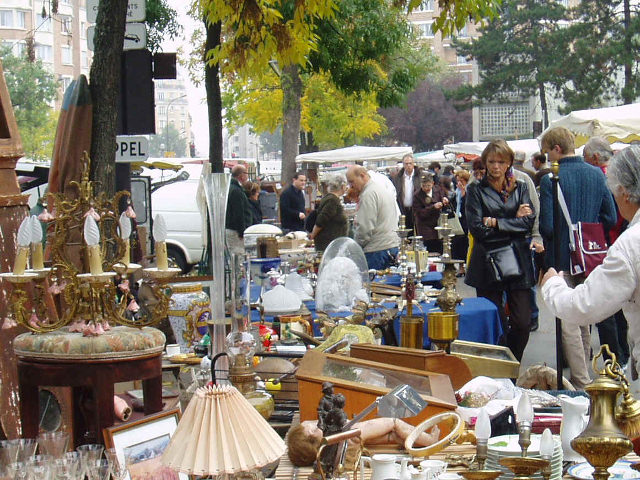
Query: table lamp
x=483, y=433
x=223, y=436
x=546, y=452
x=524, y=419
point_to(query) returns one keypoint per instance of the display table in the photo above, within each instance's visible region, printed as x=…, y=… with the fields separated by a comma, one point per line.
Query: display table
x=479, y=320
x=90, y=366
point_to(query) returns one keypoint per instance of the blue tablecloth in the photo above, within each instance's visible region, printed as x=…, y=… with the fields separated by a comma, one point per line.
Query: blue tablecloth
x=479, y=320
x=430, y=278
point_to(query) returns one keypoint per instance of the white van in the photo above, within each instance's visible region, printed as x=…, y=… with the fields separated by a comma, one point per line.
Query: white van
x=177, y=204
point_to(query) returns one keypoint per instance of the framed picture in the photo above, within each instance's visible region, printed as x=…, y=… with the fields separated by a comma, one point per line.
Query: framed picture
x=140, y=445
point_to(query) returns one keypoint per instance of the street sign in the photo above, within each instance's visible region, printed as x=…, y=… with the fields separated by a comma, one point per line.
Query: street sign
x=135, y=36
x=136, y=11
x=131, y=148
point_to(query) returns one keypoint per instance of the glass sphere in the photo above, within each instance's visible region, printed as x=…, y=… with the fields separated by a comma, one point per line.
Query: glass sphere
x=240, y=343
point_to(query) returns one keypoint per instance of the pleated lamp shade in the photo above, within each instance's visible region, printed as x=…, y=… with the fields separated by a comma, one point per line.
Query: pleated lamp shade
x=220, y=433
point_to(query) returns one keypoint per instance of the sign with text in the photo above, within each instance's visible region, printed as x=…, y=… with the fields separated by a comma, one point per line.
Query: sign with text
x=132, y=148
x=135, y=36
x=136, y=10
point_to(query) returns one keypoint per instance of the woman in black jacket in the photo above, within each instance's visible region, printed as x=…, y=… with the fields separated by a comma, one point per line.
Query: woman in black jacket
x=499, y=214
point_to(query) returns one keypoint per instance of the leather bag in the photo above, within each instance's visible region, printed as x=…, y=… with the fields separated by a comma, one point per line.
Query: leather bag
x=503, y=264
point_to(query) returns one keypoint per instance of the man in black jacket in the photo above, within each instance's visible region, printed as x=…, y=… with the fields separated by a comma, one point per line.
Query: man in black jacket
x=292, y=211
x=238, y=211
x=407, y=183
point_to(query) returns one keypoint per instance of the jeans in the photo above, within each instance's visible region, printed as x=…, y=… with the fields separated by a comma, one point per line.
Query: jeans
x=381, y=259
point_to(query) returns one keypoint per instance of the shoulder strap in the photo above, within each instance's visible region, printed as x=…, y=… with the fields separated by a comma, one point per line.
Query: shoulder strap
x=567, y=217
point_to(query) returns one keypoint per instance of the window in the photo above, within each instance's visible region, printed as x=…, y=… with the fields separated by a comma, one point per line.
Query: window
x=83, y=29
x=67, y=57
x=162, y=110
x=21, y=19
x=463, y=32
x=182, y=124
x=44, y=24
x=65, y=82
x=425, y=6
x=504, y=120
x=462, y=60
x=66, y=24
x=6, y=18
x=44, y=53
x=424, y=29
x=160, y=95
x=162, y=124
x=84, y=61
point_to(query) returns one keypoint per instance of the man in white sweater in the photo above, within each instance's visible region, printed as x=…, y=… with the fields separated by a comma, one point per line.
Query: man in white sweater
x=376, y=219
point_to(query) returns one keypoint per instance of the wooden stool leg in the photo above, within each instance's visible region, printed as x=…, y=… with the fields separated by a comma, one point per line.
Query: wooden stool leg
x=104, y=415
x=152, y=390
x=29, y=409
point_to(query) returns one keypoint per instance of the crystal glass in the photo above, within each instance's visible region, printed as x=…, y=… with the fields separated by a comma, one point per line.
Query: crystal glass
x=26, y=448
x=40, y=467
x=73, y=458
x=17, y=471
x=9, y=451
x=91, y=452
x=117, y=465
x=66, y=468
x=53, y=443
x=98, y=469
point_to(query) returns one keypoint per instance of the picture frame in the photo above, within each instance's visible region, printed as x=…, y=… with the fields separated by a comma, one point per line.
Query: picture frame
x=140, y=444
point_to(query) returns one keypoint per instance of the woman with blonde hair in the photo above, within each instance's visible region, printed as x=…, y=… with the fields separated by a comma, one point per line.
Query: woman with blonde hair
x=500, y=218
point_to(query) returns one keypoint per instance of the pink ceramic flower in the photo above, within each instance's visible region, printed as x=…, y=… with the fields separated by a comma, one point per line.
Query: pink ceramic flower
x=130, y=212
x=45, y=216
x=77, y=326
x=93, y=213
x=34, y=321
x=133, y=306
x=105, y=326
x=8, y=323
x=124, y=286
x=99, y=329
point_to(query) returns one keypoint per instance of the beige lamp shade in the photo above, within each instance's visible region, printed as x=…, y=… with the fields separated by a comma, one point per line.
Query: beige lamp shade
x=221, y=433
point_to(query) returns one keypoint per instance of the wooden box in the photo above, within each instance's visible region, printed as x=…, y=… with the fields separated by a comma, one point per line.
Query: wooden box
x=427, y=360
x=363, y=381
x=485, y=359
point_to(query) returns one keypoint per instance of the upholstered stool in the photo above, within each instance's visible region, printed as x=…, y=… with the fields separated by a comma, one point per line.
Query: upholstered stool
x=90, y=366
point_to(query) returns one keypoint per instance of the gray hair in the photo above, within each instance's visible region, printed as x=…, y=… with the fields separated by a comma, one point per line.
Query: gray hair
x=336, y=182
x=624, y=173
x=600, y=146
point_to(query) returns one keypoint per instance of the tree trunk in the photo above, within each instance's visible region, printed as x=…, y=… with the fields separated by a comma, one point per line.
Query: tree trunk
x=214, y=99
x=105, y=87
x=291, y=92
x=628, y=91
x=543, y=106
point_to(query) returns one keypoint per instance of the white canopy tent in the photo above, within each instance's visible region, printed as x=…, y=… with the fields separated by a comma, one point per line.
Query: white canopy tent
x=527, y=145
x=372, y=155
x=616, y=124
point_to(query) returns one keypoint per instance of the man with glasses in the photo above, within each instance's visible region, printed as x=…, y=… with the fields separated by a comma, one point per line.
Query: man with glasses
x=407, y=183
x=588, y=200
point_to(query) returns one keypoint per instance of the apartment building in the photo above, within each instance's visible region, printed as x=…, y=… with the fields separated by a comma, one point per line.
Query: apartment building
x=59, y=35
x=172, y=107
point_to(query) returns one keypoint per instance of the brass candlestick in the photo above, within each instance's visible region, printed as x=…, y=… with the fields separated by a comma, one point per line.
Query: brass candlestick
x=443, y=325
x=602, y=442
x=523, y=467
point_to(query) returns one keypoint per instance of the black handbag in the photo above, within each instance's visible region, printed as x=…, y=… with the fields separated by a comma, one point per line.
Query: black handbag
x=503, y=264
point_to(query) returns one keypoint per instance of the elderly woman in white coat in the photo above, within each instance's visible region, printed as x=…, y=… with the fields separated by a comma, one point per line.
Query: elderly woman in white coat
x=615, y=283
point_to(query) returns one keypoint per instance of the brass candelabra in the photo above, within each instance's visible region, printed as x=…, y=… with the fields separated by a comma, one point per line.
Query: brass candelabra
x=80, y=285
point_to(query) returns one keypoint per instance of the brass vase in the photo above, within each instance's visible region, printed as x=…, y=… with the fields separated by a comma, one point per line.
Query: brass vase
x=602, y=442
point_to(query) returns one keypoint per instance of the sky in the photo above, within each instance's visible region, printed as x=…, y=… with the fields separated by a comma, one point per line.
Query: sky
x=195, y=95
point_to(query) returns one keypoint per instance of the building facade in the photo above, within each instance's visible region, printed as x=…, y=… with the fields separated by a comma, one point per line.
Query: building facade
x=59, y=36
x=172, y=108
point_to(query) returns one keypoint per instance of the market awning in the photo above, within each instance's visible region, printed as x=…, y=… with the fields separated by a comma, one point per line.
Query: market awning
x=355, y=154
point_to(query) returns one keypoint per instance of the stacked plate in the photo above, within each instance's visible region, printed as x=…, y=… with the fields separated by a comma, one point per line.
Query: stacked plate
x=507, y=446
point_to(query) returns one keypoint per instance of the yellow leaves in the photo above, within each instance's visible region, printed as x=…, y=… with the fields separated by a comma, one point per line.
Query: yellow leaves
x=257, y=31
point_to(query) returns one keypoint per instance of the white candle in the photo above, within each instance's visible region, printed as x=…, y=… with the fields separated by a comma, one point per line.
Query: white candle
x=160, y=236
x=24, y=241
x=125, y=233
x=37, y=261
x=92, y=239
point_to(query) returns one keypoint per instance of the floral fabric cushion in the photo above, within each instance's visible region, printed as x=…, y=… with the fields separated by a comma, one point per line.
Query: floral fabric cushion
x=119, y=342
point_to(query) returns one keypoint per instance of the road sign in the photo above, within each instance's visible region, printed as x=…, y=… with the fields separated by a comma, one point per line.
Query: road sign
x=135, y=36
x=131, y=148
x=136, y=11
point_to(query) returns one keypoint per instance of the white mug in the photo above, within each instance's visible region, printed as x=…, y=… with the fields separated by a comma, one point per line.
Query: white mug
x=449, y=476
x=383, y=466
x=433, y=468
x=173, y=349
